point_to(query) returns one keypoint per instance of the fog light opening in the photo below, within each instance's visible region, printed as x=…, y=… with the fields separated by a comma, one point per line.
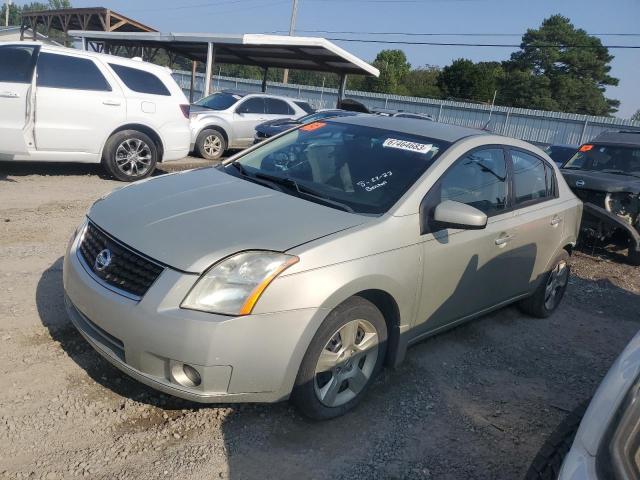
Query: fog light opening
x=186, y=375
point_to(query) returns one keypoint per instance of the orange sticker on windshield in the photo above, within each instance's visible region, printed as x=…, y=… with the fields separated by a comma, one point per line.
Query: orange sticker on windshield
x=312, y=126
x=586, y=148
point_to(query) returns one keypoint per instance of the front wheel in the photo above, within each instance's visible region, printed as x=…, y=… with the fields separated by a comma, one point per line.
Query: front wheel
x=342, y=360
x=129, y=156
x=549, y=293
x=211, y=144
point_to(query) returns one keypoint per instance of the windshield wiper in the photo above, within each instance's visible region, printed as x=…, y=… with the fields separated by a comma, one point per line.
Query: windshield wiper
x=290, y=183
x=619, y=172
x=252, y=178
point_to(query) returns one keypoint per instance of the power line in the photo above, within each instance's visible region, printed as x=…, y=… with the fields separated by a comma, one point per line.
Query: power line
x=439, y=34
x=497, y=45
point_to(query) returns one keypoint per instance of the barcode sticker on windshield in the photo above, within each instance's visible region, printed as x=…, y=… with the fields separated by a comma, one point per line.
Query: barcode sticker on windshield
x=405, y=145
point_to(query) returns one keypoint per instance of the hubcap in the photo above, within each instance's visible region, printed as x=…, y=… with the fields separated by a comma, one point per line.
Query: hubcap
x=212, y=145
x=346, y=363
x=557, y=281
x=133, y=157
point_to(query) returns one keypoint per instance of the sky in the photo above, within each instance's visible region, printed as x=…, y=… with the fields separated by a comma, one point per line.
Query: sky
x=422, y=16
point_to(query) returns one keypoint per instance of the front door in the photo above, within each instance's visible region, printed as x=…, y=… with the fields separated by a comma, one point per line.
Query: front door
x=469, y=271
x=248, y=115
x=17, y=63
x=77, y=106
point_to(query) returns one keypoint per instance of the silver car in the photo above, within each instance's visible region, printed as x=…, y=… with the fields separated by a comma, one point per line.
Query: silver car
x=228, y=119
x=301, y=266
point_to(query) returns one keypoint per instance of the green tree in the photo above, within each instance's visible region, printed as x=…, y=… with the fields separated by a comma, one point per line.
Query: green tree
x=15, y=13
x=393, y=68
x=423, y=82
x=466, y=80
x=573, y=64
x=636, y=116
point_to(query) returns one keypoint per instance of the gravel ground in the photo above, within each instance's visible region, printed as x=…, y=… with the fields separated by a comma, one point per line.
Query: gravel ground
x=475, y=402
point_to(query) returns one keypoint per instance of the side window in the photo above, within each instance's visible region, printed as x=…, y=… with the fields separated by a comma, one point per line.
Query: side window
x=278, y=107
x=140, y=81
x=17, y=63
x=304, y=106
x=252, y=105
x=74, y=73
x=479, y=179
x=532, y=179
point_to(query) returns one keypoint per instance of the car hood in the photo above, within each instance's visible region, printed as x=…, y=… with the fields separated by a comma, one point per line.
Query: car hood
x=190, y=220
x=603, y=182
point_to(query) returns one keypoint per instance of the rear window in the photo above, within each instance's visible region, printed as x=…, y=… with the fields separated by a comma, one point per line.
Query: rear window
x=305, y=106
x=72, y=73
x=17, y=63
x=140, y=81
x=353, y=167
x=607, y=159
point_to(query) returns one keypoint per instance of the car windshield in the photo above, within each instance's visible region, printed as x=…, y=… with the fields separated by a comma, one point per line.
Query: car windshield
x=350, y=167
x=218, y=101
x=607, y=159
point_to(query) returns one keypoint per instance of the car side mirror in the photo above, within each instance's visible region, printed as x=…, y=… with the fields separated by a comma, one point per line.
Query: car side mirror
x=450, y=214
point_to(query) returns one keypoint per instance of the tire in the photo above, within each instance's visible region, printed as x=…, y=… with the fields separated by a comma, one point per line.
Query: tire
x=543, y=302
x=342, y=380
x=548, y=461
x=211, y=144
x=130, y=155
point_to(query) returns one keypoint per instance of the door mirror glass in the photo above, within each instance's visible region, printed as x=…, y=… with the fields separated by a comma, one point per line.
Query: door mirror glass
x=450, y=214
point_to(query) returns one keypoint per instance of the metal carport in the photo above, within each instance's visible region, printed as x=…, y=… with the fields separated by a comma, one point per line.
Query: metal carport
x=264, y=51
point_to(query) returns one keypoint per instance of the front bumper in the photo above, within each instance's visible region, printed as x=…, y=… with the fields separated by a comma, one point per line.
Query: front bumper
x=249, y=358
x=613, y=221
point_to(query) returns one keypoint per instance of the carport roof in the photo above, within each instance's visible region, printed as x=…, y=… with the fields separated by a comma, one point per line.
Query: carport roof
x=303, y=53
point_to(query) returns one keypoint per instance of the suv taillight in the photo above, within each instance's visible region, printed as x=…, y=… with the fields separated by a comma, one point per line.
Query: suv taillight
x=185, y=110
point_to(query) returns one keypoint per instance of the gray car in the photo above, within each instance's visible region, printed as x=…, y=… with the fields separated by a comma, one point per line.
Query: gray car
x=301, y=266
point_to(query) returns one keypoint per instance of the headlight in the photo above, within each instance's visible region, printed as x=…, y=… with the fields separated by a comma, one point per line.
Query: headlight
x=233, y=286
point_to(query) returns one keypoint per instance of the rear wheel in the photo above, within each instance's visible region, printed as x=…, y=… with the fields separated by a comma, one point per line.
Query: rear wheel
x=130, y=155
x=549, y=293
x=342, y=360
x=211, y=144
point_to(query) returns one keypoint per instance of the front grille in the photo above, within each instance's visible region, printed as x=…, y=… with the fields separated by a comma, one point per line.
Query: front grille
x=591, y=196
x=125, y=269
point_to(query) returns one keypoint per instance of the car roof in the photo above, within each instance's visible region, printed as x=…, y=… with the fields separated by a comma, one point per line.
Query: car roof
x=412, y=126
x=621, y=137
x=243, y=93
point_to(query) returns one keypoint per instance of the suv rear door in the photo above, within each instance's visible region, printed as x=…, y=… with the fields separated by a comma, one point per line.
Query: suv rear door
x=78, y=103
x=17, y=63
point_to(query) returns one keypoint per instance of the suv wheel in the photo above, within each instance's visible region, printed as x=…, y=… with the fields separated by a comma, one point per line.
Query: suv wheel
x=549, y=293
x=211, y=144
x=342, y=360
x=130, y=155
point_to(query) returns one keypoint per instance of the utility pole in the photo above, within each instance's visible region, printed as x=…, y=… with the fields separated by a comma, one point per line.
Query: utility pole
x=292, y=28
x=6, y=13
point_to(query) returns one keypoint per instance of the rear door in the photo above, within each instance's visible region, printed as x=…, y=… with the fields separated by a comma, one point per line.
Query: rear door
x=278, y=109
x=248, y=114
x=78, y=103
x=17, y=64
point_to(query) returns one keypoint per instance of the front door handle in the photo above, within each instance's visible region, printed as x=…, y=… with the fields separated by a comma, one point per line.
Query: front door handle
x=9, y=95
x=504, y=239
x=555, y=221
x=112, y=103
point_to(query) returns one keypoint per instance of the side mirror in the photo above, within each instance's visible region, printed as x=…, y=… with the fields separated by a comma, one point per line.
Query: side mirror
x=450, y=214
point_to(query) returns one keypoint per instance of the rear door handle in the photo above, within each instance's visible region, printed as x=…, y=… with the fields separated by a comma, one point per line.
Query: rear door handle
x=504, y=239
x=555, y=221
x=111, y=103
x=9, y=95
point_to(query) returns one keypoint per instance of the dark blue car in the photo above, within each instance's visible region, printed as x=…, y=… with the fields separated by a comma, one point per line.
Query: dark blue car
x=274, y=127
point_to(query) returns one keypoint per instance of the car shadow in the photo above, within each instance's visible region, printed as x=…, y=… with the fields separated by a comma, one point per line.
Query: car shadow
x=23, y=169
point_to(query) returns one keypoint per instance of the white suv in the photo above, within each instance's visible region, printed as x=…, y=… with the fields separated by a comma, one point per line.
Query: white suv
x=228, y=119
x=62, y=104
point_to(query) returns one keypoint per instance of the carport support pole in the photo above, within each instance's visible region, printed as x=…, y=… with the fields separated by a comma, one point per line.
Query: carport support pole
x=211, y=57
x=264, y=79
x=341, y=89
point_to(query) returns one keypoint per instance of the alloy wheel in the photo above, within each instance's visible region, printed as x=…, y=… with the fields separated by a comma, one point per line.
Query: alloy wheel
x=212, y=145
x=133, y=157
x=346, y=363
x=557, y=281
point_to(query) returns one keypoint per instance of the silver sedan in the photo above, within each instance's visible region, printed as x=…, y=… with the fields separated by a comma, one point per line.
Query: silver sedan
x=300, y=267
